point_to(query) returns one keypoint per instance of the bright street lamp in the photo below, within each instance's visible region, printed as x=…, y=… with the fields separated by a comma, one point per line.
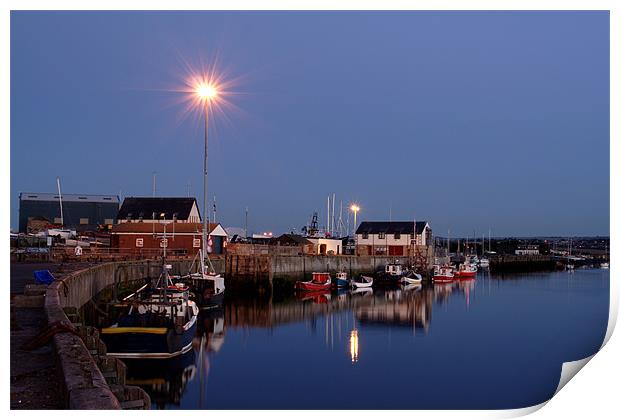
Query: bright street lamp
x=206, y=93
x=354, y=208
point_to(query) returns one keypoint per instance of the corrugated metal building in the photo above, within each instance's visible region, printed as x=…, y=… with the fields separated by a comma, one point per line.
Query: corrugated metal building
x=80, y=211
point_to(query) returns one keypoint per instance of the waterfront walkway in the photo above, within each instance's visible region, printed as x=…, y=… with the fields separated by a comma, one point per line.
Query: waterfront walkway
x=34, y=379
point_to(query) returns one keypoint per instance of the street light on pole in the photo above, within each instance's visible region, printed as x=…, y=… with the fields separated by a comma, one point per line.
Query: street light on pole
x=354, y=208
x=206, y=93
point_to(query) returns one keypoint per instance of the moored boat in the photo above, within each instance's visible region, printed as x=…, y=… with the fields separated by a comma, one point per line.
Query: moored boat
x=341, y=280
x=160, y=323
x=605, y=266
x=208, y=286
x=362, y=282
x=443, y=274
x=320, y=281
x=392, y=273
x=411, y=277
x=465, y=270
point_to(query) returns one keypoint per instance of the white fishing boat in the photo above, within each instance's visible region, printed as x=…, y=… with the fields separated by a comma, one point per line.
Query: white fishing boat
x=206, y=283
x=411, y=277
x=605, y=266
x=362, y=282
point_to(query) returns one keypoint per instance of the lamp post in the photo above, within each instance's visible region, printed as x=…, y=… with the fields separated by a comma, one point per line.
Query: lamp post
x=355, y=208
x=206, y=93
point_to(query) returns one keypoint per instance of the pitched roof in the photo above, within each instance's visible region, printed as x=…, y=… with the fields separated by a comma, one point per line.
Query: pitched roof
x=391, y=227
x=88, y=198
x=145, y=207
x=146, y=227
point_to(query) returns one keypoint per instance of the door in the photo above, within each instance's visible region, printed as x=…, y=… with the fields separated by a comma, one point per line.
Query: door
x=396, y=250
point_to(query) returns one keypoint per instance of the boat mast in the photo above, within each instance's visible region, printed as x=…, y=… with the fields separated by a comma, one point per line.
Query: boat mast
x=333, y=211
x=62, y=219
x=327, y=220
x=205, y=213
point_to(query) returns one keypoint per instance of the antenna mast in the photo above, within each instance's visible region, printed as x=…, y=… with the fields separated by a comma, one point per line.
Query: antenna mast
x=62, y=219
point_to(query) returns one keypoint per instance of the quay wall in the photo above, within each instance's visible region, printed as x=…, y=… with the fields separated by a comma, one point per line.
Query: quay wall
x=84, y=385
x=515, y=263
x=262, y=272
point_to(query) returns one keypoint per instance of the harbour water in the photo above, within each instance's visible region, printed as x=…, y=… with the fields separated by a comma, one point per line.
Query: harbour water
x=493, y=343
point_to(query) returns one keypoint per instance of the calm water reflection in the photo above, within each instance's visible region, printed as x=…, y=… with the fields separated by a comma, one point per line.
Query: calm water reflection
x=496, y=342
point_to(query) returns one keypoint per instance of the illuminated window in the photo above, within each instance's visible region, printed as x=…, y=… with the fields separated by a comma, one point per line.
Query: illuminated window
x=139, y=242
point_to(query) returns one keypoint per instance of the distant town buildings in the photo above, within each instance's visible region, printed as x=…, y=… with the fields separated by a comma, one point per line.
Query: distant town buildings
x=40, y=211
x=527, y=250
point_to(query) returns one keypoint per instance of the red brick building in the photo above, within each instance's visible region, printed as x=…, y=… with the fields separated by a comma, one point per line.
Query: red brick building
x=183, y=238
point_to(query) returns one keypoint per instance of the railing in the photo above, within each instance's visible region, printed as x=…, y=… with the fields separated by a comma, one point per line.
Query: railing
x=114, y=254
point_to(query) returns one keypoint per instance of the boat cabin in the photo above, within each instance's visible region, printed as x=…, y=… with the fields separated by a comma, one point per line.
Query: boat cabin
x=394, y=269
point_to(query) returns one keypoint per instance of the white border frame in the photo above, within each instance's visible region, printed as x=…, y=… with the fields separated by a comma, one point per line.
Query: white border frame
x=595, y=392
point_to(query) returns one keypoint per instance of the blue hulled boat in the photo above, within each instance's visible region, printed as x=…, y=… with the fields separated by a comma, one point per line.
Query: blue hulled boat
x=160, y=323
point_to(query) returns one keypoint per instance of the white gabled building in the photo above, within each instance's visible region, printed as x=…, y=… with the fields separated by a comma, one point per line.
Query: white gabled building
x=392, y=238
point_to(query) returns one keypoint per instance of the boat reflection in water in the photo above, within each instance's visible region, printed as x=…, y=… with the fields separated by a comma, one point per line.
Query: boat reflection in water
x=332, y=312
x=409, y=305
x=257, y=352
x=166, y=380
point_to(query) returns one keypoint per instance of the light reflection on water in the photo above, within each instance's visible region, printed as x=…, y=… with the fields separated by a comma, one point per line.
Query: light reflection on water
x=472, y=335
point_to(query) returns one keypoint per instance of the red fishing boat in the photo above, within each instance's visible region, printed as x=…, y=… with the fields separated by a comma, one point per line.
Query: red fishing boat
x=443, y=274
x=466, y=271
x=320, y=281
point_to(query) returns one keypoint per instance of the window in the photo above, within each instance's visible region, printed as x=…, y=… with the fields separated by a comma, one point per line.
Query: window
x=365, y=235
x=107, y=198
x=381, y=235
x=84, y=220
x=397, y=236
x=139, y=242
x=197, y=243
x=163, y=243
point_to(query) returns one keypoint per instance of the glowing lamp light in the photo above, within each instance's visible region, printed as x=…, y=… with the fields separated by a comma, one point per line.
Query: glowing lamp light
x=206, y=92
x=355, y=207
x=354, y=346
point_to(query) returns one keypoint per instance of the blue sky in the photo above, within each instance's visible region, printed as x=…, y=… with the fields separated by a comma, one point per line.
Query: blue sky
x=472, y=120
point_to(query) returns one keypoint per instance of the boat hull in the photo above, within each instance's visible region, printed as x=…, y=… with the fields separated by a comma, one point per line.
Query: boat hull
x=147, y=343
x=311, y=286
x=342, y=283
x=367, y=284
x=465, y=274
x=443, y=279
